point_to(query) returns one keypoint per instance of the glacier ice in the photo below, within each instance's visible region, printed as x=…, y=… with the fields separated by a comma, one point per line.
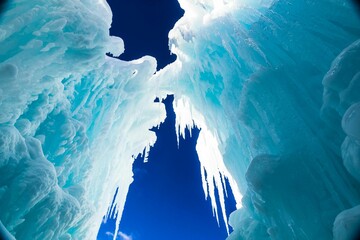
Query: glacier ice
x=274, y=85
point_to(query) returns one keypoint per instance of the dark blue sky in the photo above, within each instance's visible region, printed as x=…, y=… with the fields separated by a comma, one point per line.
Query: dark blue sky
x=144, y=26
x=166, y=200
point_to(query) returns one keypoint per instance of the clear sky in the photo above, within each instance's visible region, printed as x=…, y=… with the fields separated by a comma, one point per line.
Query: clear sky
x=144, y=26
x=166, y=200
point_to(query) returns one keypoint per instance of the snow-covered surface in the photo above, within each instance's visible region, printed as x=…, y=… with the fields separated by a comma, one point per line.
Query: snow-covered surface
x=274, y=86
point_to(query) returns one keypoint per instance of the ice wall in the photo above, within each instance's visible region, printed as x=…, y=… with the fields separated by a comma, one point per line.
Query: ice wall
x=4, y=233
x=273, y=85
x=342, y=104
x=276, y=82
x=70, y=120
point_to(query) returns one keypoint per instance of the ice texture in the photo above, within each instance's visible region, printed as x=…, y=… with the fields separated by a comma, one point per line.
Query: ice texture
x=342, y=82
x=71, y=118
x=273, y=81
x=213, y=171
x=273, y=85
x=4, y=233
x=347, y=224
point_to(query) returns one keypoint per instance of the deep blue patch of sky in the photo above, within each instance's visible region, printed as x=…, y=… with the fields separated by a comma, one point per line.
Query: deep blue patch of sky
x=144, y=26
x=166, y=200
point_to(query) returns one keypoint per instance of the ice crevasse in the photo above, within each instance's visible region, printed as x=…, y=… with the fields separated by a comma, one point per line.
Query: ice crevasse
x=274, y=86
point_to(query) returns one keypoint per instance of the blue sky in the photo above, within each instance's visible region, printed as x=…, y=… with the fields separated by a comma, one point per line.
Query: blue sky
x=144, y=26
x=166, y=200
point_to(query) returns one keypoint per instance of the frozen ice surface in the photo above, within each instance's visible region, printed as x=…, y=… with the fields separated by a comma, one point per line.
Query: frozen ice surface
x=274, y=86
x=347, y=224
x=4, y=233
x=71, y=118
x=273, y=81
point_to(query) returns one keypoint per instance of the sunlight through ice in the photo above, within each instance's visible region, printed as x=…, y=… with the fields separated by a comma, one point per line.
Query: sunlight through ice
x=213, y=169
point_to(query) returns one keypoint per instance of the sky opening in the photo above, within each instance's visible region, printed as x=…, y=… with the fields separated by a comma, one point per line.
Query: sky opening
x=144, y=26
x=166, y=199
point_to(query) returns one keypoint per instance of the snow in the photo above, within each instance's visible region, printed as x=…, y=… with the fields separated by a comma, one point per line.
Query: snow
x=273, y=85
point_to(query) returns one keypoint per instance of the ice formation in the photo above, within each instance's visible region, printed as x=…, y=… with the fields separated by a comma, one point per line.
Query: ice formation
x=71, y=118
x=274, y=85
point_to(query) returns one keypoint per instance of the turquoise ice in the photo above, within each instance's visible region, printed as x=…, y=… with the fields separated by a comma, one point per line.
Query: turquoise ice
x=274, y=86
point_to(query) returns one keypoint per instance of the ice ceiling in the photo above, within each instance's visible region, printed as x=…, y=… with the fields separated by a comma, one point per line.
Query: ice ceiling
x=274, y=86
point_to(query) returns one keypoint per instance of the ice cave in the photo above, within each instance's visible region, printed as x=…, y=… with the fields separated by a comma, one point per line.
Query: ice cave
x=273, y=86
